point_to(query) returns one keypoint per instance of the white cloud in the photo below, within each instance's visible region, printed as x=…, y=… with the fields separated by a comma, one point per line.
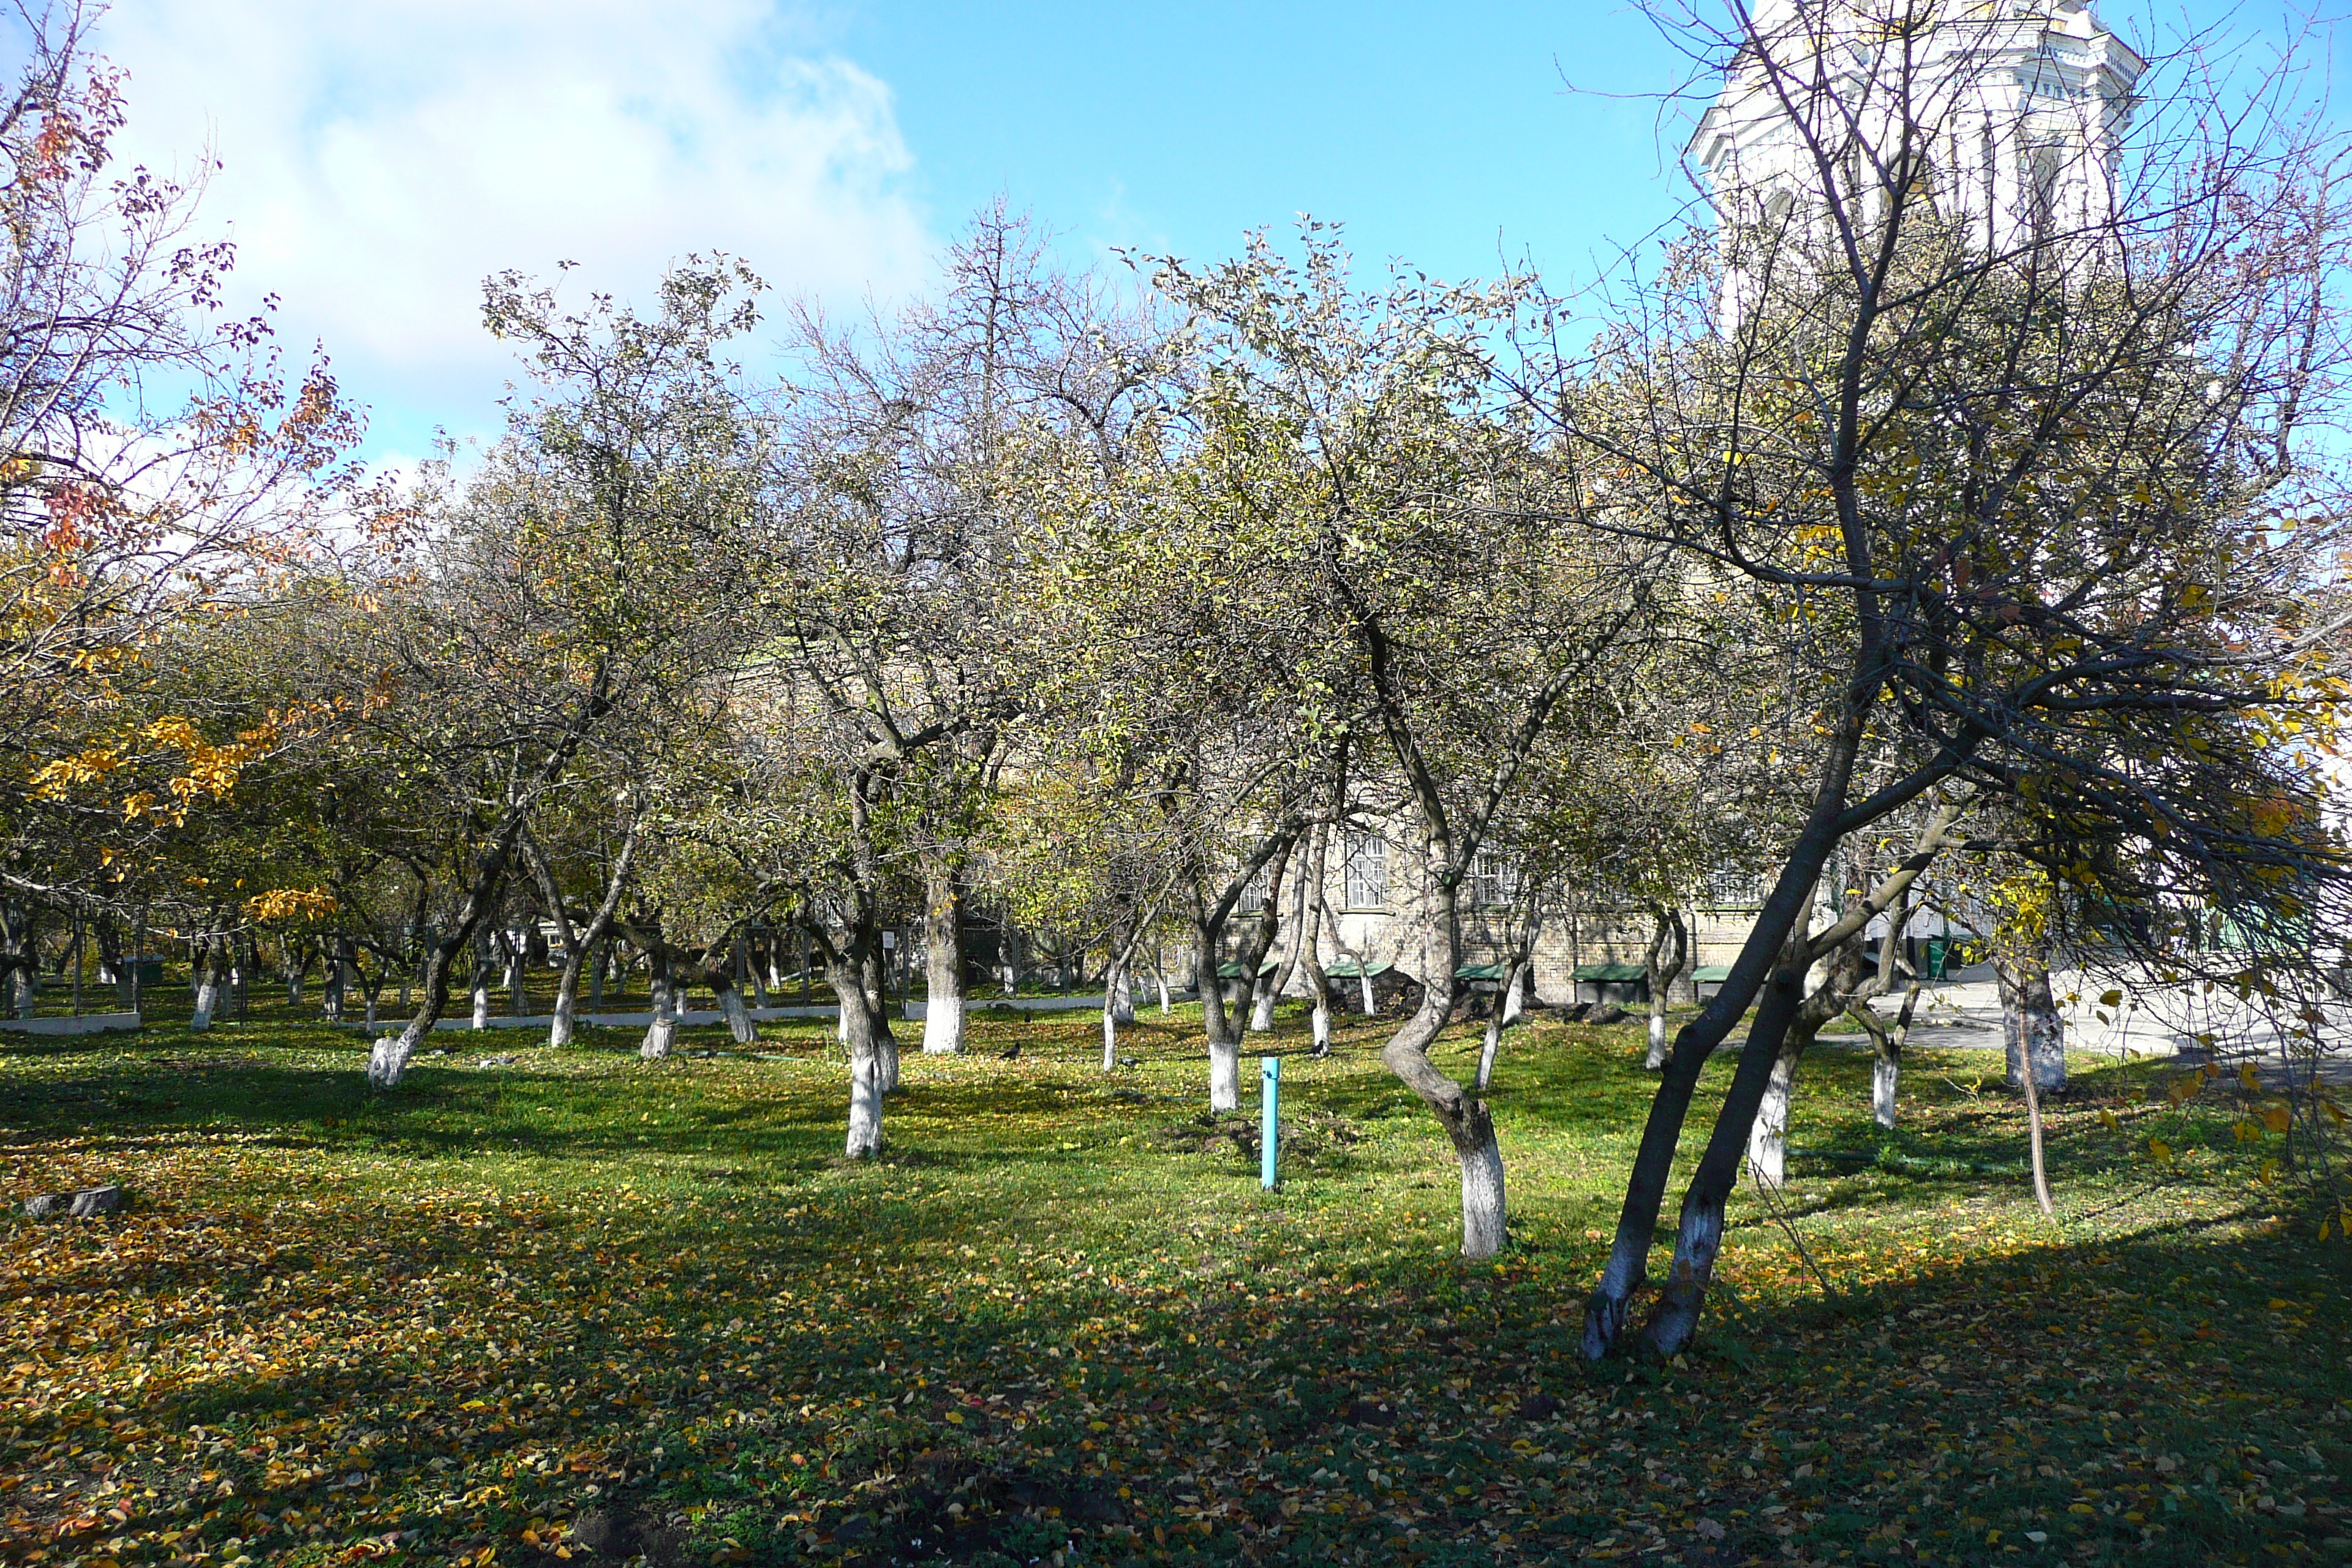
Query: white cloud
x=378, y=160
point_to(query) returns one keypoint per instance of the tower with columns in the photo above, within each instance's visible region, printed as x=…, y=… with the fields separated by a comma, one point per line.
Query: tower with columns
x=2012, y=112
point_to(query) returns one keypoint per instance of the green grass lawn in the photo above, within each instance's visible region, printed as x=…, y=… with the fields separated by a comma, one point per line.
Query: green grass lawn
x=571, y=1305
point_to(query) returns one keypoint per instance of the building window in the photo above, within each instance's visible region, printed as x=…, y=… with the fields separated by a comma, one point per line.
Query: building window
x=1494, y=880
x=1367, y=871
x=1732, y=889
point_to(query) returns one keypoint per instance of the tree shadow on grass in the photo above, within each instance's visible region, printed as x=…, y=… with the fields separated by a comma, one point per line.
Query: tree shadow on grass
x=2170, y=1375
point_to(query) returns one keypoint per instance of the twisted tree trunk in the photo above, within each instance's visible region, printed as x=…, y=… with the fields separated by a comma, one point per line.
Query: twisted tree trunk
x=388, y=1060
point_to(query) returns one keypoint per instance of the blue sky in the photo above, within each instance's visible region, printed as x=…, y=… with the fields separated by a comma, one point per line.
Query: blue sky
x=1447, y=135
x=377, y=160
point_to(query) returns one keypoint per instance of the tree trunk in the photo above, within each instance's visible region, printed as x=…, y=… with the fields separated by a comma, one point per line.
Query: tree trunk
x=1509, y=1005
x=877, y=976
x=661, y=1035
x=1669, y=954
x=1263, y=1005
x=1779, y=994
x=1468, y=1120
x=1118, y=990
x=481, y=990
x=740, y=1024
x=1886, y=1053
x=1768, y=1139
x=109, y=953
x=1109, y=1033
x=508, y=944
x=944, y=958
x=335, y=1000
x=1259, y=941
x=2030, y=1026
x=208, y=982
x=388, y=1060
x=1216, y=1031
x=864, y=1033
x=2035, y=1038
x=1310, y=947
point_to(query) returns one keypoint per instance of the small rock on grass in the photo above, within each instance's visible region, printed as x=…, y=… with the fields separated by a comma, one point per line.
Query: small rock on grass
x=86, y=1203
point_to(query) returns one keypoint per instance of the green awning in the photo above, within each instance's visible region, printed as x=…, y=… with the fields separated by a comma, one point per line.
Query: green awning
x=1232, y=970
x=1346, y=970
x=1482, y=971
x=1718, y=973
x=1611, y=972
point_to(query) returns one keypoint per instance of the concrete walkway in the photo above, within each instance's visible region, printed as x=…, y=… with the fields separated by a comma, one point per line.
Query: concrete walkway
x=2153, y=1020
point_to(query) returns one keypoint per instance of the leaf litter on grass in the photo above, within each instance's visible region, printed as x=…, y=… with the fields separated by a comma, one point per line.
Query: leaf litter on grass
x=584, y=1307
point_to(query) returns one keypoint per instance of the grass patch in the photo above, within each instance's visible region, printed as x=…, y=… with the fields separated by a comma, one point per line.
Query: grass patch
x=576, y=1302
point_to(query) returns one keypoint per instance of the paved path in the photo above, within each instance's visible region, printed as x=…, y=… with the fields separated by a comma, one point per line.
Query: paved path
x=2152, y=1020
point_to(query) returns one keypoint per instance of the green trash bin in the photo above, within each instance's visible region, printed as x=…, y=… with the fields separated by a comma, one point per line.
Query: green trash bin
x=1940, y=949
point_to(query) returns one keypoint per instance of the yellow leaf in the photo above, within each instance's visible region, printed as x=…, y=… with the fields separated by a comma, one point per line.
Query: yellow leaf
x=2276, y=1117
x=2246, y=1078
x=2107, y=1120
x=2111, y=998
x=2161, y=1149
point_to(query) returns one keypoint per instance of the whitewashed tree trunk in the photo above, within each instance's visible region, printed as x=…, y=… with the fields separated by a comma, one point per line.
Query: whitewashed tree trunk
x=1886, y=1059
x=561, y=1022
x=1485, y=1212
x=207, y=994
x=740, y=1023
x=867, y=1035
x=1159, y=973
x=1120, y=988
x=864, y=1139
x=1668, y=956
x=662, y=1033
x=1110, y=1037
x=1768, y=1136
x=2030, y=1026
x=388, y=1060
x=1262, y=1006
x=1884, y=1070
x=943, y=961
x=1364, y=983
x=1224, y=1075
x=481, y=998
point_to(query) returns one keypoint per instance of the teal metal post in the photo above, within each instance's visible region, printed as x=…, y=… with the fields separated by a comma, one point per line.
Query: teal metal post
x=1269, y=1102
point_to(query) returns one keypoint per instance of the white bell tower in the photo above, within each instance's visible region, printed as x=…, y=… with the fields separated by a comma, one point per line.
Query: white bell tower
x=2012, y=110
